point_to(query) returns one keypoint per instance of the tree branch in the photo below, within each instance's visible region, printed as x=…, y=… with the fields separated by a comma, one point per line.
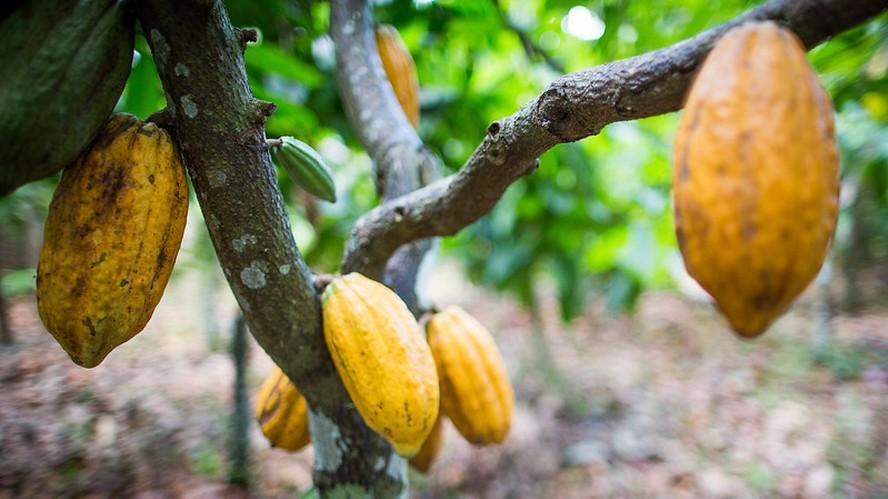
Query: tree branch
x=220, y=130
x=573, y=107
x=531, y=49
x=402, y=162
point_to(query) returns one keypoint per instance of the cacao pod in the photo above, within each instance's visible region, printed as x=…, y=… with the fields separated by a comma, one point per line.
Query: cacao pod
x=756, y=175
x=282, y=412
x=424, y=459
x=306, y=167
x=111, y=237
x=383, y=360
x=65, y=64
x=475, y=390
x=400, y=70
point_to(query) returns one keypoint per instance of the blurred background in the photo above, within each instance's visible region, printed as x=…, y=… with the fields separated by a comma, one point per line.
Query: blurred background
x=628, y=383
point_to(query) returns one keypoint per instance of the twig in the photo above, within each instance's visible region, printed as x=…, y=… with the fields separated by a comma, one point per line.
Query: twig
x=531, y=48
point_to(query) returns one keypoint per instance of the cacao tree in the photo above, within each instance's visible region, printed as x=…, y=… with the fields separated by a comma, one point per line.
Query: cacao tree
x=217, y=117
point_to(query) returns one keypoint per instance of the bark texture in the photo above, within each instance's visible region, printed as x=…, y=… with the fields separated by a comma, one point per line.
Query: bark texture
x=220, y=129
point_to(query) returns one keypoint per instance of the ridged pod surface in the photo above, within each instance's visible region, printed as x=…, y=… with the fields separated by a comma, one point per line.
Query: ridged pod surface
x=282, y=412
x=475, y=390
x=65, y=63
x=424, y=459
x=400, y=70
x=306, y=167
x=755, y=175
x=111, y=238
x=383, y=360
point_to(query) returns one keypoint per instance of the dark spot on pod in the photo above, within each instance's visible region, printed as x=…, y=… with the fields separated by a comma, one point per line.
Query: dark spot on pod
x=79, y=287
x=98, y=261
x=88, y=323
x=113, y=180
x=151, y=179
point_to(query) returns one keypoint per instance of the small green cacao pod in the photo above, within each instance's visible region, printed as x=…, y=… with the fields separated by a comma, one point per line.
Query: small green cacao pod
x=306, y=167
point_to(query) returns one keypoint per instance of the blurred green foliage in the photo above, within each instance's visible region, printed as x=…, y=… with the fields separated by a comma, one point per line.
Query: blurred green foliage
x=596, y=216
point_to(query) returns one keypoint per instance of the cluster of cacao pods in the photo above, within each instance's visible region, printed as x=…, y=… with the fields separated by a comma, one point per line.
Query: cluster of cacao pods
x=755, y=175
x=402, y=384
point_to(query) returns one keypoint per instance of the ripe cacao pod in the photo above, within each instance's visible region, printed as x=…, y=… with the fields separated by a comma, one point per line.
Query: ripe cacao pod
x=282, y=412
x=111, y=238
x=65, y=63
x=383, y=360
x=400, y=70
x=756, y=175
x=475, y=390
x=424, y=459
x=306, y=167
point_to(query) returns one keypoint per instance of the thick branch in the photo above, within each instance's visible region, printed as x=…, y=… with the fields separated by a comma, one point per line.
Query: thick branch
x=220, y=129
x=573, y=107
x=402, y=162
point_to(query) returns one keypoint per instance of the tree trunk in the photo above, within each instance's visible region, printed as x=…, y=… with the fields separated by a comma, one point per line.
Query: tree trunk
x=821, y=332
x=856, y=252
x=208, y=309
x=239, y=451
x=6, y=337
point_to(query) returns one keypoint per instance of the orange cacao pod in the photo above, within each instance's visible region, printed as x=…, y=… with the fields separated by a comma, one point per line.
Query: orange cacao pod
x=111, y=239
x=400, y=70
x=383, y=360
x=475, y=390
x=755, y=175
x=424, y=459
x=282, y=412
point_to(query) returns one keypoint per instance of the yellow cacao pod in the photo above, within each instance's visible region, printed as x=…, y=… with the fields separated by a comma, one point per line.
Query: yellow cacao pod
x=424, y=459
x=400, y=70
x=756, y=175
x=383, y=360
x=475, y=390
x=282, y=412
x=111, y=238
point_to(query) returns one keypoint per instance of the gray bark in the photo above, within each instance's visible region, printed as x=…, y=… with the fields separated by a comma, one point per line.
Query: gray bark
x=6, y=336
x=239, y=446
x=220, y=129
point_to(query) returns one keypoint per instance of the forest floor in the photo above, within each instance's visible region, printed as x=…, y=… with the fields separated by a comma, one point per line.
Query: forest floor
x=663, y=403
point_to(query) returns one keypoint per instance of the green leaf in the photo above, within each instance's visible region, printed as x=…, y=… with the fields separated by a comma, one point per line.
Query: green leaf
x=269, y=58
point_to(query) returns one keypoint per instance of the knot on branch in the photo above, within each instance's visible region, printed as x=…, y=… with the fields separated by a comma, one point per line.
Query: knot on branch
x=165, y=118
x=262, y=110
x=495, y=153
x=246, y=36
x=553, y=108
